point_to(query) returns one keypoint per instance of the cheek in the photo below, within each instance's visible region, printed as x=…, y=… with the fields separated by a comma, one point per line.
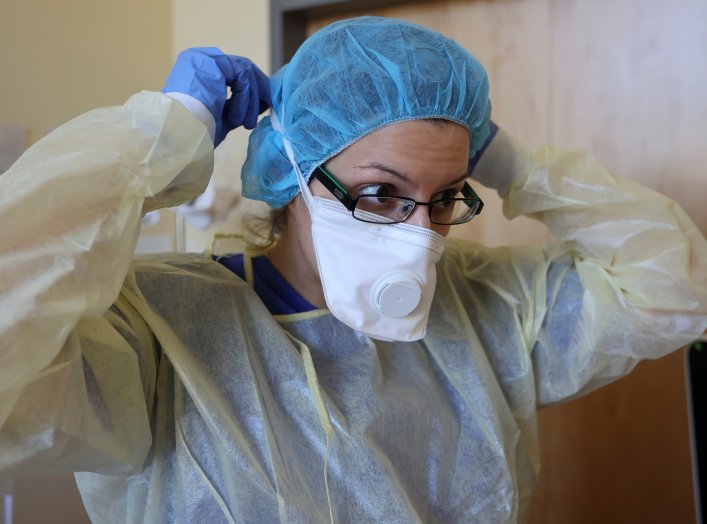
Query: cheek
x=317, y=189
x=307, y=242
x=441, y=230
x=303, y=232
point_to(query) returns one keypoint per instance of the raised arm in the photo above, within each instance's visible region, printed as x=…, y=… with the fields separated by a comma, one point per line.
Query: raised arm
x=627, y=280
x=71, y=208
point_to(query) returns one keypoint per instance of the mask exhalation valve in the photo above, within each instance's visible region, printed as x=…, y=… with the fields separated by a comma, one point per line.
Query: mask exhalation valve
x=396, y=294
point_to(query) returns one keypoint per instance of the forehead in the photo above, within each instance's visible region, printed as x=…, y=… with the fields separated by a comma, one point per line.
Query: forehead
x=413, y=148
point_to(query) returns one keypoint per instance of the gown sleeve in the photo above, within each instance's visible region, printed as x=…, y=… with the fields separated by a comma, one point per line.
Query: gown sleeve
x=627, y=279
x=77, y=365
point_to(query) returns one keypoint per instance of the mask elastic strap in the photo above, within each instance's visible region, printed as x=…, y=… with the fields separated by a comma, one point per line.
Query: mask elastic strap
x=304, y=188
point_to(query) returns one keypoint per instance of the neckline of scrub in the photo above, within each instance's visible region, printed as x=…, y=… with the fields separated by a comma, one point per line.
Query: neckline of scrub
x=268, y=283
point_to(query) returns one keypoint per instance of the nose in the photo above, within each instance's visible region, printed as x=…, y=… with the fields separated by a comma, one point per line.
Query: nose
x=420, y=217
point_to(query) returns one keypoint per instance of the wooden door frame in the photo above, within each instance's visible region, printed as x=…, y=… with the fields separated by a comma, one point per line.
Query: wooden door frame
x=289, y=19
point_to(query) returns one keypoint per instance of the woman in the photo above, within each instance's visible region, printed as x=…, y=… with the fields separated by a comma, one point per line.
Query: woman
x=364, y=369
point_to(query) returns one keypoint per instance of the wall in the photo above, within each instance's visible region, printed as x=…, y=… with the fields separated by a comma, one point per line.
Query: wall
x=60, y=59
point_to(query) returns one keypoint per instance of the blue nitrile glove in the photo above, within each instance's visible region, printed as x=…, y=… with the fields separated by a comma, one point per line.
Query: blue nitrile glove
x=493, y=129
x=203, y=74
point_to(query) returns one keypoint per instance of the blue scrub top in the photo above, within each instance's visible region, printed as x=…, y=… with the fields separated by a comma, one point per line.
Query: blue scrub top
x=271, y=287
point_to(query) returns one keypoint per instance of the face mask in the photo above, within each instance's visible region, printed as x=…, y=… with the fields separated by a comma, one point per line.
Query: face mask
x=378, y=279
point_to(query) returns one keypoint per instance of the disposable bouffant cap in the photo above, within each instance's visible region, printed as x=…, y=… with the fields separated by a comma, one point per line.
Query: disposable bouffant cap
x=351, y=78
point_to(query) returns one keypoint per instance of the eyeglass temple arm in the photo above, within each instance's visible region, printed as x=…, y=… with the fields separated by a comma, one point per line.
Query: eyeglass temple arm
x=336, y=189
x=468, y=192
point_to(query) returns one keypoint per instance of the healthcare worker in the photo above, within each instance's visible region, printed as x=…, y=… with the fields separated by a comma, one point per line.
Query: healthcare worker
x=363, y=370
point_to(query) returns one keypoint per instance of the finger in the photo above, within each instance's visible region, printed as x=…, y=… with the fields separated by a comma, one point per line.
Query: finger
x=253, y=106
x=242, y=107
x=232, y=66
x=233, y=72
x=237, y=104
x=263, y=83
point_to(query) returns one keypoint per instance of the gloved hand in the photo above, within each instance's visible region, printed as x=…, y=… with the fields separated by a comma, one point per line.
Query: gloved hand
x=493, y=129
x=204, y=73
x=499, y=161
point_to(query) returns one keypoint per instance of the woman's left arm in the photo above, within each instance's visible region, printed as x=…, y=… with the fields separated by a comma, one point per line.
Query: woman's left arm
x=628, y=280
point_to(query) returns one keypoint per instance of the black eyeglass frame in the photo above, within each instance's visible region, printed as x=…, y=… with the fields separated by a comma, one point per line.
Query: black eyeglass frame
x=349, y=202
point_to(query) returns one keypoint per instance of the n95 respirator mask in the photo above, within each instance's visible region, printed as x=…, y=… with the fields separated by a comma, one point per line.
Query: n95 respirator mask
x=378, y=279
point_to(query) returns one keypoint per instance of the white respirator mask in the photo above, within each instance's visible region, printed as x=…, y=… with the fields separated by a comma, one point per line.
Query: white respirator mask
x=378, y=279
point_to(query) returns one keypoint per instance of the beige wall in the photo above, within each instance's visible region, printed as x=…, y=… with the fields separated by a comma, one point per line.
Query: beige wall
x=238, y=27
x=60, y=59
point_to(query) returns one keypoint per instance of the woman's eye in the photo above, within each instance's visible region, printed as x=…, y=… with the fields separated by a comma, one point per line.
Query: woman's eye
x=378, y=190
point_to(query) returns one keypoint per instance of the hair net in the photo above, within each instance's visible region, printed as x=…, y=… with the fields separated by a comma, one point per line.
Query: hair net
x=351, y=78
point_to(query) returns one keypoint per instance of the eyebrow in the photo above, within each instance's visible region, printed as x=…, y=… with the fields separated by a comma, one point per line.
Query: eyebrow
x=381, y=167
x=398, y=174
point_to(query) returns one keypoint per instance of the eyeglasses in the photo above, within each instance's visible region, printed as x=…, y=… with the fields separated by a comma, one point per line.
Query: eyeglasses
x=384, y=209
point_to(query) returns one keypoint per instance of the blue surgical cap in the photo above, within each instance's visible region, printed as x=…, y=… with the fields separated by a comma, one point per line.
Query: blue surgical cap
x=351, y=78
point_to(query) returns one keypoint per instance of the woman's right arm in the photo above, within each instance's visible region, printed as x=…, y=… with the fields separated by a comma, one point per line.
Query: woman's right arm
x=70, y=209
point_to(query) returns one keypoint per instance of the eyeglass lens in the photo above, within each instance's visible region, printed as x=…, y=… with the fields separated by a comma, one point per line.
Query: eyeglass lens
x=371, y=208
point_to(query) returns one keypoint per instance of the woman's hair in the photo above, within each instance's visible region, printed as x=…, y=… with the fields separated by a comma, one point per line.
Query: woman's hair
x=262, y=231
